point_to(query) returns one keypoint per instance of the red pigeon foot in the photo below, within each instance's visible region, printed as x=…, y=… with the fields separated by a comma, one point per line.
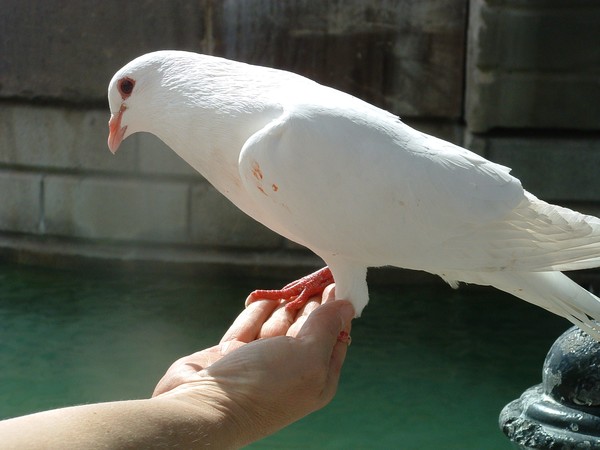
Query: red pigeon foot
x=298, y=292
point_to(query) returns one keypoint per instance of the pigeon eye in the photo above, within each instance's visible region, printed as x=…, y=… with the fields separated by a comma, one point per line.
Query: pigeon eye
x=126, y=87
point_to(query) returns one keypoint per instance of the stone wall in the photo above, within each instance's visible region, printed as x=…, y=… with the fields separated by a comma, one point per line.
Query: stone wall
x=532, y=94
x=65, y=199
x=533, y=64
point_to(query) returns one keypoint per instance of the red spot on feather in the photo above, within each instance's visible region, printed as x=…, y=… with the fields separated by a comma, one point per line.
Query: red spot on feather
x=256, y=171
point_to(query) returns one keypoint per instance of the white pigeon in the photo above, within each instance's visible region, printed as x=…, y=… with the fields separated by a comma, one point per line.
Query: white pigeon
x=354, y=184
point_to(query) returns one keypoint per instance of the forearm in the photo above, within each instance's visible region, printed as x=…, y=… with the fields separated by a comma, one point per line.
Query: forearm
x=153, y=423
x=223, y=397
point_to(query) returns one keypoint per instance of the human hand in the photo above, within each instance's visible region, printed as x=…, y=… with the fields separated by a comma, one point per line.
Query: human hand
x=272, y=367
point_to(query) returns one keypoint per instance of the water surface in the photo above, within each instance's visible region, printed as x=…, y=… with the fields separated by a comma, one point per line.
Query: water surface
x=429, y=367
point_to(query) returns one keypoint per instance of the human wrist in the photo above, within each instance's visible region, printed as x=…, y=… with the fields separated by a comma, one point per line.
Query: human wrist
x=220, y=421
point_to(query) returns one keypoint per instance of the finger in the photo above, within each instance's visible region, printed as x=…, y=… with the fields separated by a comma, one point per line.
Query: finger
x=338, y=355
x=278, y=323
x=302, y=315
x=328, y=293
x=325, y=323
x=247, y=326
x=321, y=331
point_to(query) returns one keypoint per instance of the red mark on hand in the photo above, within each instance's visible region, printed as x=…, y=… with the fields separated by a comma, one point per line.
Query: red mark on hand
x=344, y=338
x=275, y=187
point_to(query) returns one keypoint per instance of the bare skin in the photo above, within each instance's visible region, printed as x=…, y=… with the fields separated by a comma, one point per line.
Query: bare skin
x=272, y=367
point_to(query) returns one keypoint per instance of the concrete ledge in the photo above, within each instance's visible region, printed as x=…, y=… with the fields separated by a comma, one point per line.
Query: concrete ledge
x=270, y=269
x=85, y=254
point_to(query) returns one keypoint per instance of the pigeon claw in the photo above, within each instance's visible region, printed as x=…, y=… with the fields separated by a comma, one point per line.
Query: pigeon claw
x=297, y=293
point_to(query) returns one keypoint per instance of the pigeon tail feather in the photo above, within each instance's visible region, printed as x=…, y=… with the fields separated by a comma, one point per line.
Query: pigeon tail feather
x=554, y=292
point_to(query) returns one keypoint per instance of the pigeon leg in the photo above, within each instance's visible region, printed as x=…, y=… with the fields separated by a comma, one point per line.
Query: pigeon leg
x=298, y=292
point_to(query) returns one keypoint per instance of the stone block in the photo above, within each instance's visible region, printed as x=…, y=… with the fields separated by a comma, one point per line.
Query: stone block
x=56, y=50
x=533, y=64
x=541, y=4
x=531, y=36
x=156, y=158
x=60, y=138
x=561, y=169
x=521, y=100
x=114, y=209
x=403, y=55
x=20, y=208
x=406, y=56
x=216, y=222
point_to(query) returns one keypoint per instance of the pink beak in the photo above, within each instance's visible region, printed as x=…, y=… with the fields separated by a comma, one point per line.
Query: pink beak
x=116, y=131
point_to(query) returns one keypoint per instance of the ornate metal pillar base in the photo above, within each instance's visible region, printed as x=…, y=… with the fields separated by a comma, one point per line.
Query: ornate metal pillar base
x=562, y=413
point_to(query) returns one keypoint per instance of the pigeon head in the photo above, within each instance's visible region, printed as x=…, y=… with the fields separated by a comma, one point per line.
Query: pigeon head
x=163, y=92
x=134, y=95
x=117, y=124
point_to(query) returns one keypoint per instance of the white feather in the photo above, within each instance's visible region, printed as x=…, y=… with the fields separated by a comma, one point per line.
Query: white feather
x=356, y=185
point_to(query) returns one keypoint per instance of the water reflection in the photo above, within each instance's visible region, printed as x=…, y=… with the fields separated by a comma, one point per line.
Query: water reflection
x=429, y=367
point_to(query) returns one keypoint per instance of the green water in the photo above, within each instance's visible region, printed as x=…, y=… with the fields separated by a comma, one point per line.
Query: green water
x=429, y=367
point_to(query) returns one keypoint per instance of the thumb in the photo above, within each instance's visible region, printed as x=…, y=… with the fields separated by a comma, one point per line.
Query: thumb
x=321, y=331
x=326, y=322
